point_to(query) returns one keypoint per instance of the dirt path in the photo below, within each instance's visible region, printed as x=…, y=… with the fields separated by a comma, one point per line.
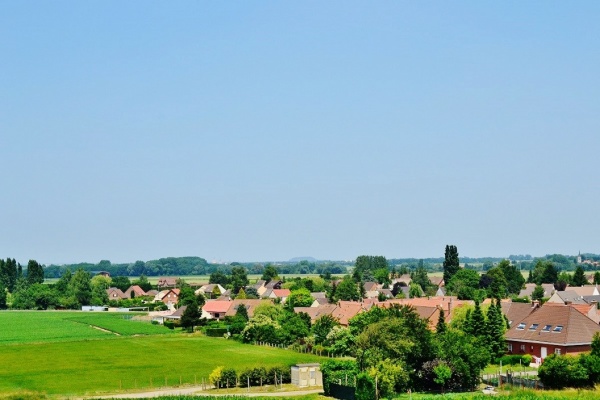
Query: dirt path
x=197, y=391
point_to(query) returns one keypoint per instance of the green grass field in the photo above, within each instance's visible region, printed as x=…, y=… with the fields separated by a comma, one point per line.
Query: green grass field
x=58, y=353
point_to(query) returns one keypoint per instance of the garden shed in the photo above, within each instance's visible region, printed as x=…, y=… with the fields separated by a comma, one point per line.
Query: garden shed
x=304, y=375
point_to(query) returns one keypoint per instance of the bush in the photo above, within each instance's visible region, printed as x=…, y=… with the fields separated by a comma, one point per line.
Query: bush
x=282, y=372
x=256, y=377
x=558, y=372
x=169, y=324
x=365, y=387
x=216, y=332
x=228, y=378
x=514, y=359
x=336, y=370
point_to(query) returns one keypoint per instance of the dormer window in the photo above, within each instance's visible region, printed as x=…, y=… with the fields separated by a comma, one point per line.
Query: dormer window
x=546, y=328
x=558, y=328
x=521, y=326
x=533, y=327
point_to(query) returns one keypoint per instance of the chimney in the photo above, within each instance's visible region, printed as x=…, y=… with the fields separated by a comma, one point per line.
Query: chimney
x=568, y=302
x=535, y=303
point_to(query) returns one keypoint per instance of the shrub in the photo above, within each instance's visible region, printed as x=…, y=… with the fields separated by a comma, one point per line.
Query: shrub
x=228, y=378
x=365, y=387
x=216, y=332
x=282, y=372
x=169, y=324
x=215, y=376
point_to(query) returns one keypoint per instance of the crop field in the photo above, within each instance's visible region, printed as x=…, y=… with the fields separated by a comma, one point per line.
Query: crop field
x=56, y=326
x=58, y=353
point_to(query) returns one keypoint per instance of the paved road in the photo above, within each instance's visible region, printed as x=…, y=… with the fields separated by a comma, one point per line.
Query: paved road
x=197, y=391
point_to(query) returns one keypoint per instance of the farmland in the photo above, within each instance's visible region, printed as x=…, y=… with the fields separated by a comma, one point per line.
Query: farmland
x=58, y=353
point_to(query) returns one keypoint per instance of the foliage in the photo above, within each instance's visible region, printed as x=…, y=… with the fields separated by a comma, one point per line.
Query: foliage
x=215, y=376
x=299, y=298
x=269, y=273
x=191, y=315
x=341, y=341
x=451, y=263
x=81, y=287
x=514, y=278
x=323, y=327
x=464, y=284
x=558, y=372
x=365, y=387
x=35, y=272
x=579, y=278
x=369, y=263
x=497, y=286
x=538, y=293
x=260, y=328
x=495, y=328
x=441, y=327
x=347, y=290
x=228, y=377
x=338, y=370
x=391, y=378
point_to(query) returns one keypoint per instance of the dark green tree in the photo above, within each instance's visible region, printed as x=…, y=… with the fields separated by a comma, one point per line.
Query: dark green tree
x=495, y=328
x=477, y=323
x=81, y=287
x=269, y=273
x=513, y=276
x=464, y=284
x=579, y=278
x=218, y=277
x=121, y=282
x=322, y=327
x=239, y=279
x=420, y=277
x=597, y=278
x=497, y=287
x=538, y=293
x=441, y=327
x=550, y=273
x=35, y=272
x=451, y=262
x=191, y=315
x=299, y=298
x=3, y=295
x=143, y=283
x=347, y=290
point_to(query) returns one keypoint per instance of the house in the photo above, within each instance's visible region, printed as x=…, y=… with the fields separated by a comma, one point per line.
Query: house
x=437, y=281
x=274, y=284
x=585, y=290
x=136, y=290
x=281, y=294
x=216, y=309
x=166, y=282
x=170, y=297
x=566, y=297
x=516, y=312
x=559, y=329
x=250, y=305
x=343, y=311
x=103, y=273
x=530, y=287
x=211, y=291
x=115, y=294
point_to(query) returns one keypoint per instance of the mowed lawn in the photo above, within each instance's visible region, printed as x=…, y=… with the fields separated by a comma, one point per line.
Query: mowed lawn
x=78, y=360
x=54, y=326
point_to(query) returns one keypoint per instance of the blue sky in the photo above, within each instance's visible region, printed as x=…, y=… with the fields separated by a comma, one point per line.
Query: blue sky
x=243, y=131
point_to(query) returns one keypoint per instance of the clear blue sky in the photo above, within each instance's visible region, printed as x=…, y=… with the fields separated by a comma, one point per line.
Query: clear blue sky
x=243, y=131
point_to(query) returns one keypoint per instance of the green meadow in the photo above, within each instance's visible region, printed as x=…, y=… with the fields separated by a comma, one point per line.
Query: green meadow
x=62, y=354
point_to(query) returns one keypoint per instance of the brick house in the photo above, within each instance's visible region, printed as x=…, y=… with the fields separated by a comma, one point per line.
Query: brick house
x=560, y=329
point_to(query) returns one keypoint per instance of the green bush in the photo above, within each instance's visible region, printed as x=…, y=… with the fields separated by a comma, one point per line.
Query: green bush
x=365, y=387
x=216, y=332
x=228, y=378
x=169, y=324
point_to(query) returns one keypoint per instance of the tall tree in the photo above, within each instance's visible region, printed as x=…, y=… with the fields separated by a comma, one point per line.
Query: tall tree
x=477, y=322
x=495, y=327
x=239, y=278
x=441, y=327
x=81, y=287
x=514, y=278
x=35, y=272
x=269, y=273
x=579, y=278
x=191, y=315
x=451, y=262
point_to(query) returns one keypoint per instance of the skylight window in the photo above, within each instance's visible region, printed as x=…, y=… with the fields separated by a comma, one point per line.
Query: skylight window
x=521, y=326
x=558, y=328
x=533, y=327
x=546, y=328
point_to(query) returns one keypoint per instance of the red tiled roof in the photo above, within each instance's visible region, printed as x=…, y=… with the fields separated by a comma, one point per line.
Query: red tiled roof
x=281, y=292
x=217, y=306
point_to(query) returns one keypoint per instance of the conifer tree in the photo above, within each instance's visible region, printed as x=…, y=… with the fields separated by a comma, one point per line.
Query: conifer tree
x=495, y=328
x=478, y=327
x=579, y=278
x=441, y=327
x=451, y=262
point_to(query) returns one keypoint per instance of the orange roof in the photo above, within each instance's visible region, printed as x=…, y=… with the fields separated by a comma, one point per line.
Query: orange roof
x=281, y=292
x=216, y=306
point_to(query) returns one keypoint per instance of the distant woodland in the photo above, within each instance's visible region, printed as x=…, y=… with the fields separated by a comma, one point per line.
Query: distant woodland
x=179, y=266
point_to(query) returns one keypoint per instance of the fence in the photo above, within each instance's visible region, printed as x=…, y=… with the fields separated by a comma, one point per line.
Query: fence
x=302, y=349
x=518, y=379
x=342, y=392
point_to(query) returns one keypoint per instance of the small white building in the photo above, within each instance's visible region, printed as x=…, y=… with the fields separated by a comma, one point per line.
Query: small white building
x=305, y=375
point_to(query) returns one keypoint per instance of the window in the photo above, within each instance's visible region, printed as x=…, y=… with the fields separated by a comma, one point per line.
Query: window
x=546, y=328
x=558, y=328
x=509, y=347
x=533, y=327
x=521, y=326
x=557, y=351
x=523, y=348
